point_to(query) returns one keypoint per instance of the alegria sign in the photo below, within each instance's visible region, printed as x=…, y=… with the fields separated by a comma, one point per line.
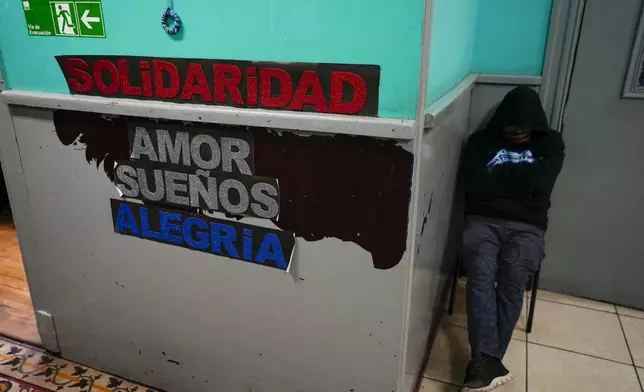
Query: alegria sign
x=179, y=173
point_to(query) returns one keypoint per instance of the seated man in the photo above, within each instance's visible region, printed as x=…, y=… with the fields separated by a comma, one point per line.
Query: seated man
x=509, y=170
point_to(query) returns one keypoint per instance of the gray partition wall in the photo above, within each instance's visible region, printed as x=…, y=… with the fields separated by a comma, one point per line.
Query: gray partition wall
x=351, y=313
x=185, y=320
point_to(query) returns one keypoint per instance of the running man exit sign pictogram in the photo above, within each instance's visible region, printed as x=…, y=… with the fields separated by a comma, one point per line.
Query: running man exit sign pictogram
x=64, y=18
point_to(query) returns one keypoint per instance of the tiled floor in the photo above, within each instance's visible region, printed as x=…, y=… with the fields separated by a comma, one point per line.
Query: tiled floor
x=575, y=345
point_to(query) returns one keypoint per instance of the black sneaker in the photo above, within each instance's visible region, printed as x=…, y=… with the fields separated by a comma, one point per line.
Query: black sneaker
x=484, y=374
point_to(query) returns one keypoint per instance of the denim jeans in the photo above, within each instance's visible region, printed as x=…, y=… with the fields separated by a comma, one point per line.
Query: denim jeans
x=500, y=256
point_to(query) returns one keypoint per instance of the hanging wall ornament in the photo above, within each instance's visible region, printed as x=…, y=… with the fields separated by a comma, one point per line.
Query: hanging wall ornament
x=170, y=20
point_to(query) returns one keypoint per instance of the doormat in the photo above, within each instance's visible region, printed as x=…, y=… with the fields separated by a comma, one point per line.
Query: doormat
x=10, y=385
x=27, y=369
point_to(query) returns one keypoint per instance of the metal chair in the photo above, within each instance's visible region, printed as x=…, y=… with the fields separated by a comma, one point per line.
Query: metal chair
x=533, y=293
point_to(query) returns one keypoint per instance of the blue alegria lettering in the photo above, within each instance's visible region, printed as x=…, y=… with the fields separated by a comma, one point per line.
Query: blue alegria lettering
x=166, y=223
x=201, y=240
x=226, y=235
x=271, y=249
x=125, y=220
x=247, y=244
x=145, y=225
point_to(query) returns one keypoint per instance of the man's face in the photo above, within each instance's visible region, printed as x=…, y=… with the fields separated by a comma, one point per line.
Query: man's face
x=516, y=134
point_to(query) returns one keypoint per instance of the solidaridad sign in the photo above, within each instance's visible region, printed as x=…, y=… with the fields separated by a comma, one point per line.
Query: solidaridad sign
x=192, y=170
x=64, y=18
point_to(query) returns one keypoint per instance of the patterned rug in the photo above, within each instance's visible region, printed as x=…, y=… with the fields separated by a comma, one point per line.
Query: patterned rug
x=27, y=369
x=11, y=385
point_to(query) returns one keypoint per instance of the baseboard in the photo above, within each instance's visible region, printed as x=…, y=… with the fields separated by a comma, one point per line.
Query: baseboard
x=513, y=80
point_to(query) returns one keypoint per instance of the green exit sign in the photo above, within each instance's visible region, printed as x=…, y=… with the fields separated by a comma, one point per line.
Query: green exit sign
x=64, y=18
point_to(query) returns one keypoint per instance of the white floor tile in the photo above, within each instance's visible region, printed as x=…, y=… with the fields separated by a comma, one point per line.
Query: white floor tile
x=634, y=331
x=451, y=353
x=630, y=312
x=578, y=329
x=553, y=370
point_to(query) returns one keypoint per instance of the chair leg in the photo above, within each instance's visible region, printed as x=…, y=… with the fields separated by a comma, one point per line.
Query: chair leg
x=452, y=294
x=533, y=300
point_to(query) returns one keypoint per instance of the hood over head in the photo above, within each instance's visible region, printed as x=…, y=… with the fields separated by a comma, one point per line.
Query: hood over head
x=520, y=107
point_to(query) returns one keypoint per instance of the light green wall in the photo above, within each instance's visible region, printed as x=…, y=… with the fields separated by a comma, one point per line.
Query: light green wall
x=452, y=47
x=382, y=32
x=486, y=36
x=511, y=36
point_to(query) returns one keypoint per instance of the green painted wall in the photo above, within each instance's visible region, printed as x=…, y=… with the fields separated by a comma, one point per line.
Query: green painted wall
x=486, y=36
x=511, y=36
x=453, y=42
x=383, y=32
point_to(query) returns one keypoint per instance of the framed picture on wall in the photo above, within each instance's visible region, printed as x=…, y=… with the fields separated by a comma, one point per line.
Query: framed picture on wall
x=634, y=84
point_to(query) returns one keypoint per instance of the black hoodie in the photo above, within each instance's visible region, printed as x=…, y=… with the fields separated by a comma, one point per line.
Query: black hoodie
x=513, y=181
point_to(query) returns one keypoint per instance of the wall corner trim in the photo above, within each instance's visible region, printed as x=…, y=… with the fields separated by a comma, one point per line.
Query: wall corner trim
x=436, y=109
x=413, y=221
x=389, y=128
x=440, y=108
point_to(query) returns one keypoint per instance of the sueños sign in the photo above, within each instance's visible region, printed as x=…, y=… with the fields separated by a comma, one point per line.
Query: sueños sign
x=323, y=88
x=199, y=169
